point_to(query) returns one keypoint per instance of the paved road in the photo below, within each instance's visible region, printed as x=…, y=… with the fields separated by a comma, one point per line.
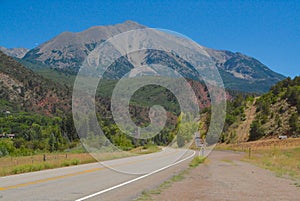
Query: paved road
x=95, y=181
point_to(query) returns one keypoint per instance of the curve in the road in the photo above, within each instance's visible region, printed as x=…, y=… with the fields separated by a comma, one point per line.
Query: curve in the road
x=135, y=179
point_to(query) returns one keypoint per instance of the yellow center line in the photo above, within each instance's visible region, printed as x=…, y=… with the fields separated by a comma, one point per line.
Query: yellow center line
x=49, y=179
x=72, y=174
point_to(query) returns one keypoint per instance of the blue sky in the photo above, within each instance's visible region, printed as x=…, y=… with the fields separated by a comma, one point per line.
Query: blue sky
x=266, y=30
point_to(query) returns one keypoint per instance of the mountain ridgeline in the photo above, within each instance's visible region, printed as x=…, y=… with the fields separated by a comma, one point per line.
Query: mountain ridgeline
x=67, y=51
x=14, y=52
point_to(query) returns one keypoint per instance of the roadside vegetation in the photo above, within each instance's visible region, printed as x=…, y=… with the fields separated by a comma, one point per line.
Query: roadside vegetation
x=21, y=164
x=284, y=162
x=196, y=161
x=280, y=156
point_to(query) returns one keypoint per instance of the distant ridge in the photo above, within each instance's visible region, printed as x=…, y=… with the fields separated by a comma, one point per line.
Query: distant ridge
x=14, y=52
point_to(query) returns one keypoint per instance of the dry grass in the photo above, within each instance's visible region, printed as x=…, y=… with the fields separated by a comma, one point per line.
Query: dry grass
x=262, y=145
x=16, y=165
x=280, y=156
x=284, y=162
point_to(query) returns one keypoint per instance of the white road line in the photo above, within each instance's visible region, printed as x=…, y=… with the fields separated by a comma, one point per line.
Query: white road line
x=133, y=180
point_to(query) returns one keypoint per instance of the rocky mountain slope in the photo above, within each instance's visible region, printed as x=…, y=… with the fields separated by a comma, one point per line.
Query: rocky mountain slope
x=244, y=73
x=66, y=52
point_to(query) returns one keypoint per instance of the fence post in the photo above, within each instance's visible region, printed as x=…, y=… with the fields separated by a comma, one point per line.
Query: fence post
x=250, y=152
x=44, y=158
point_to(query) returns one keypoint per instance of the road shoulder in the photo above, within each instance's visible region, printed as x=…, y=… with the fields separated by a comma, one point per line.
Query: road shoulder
x=225, y=177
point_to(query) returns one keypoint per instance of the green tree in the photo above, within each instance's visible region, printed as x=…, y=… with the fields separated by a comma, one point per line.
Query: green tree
x=52, y=143
x=294, y=123
x=68, y=127
x=256, y=131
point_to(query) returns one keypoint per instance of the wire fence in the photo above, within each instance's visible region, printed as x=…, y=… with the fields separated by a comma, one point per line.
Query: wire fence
x=268, y=144
x=52, y=158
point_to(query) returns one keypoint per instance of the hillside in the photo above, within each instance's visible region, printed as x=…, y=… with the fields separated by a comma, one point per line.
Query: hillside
x=25, y=90
x=268, y=116
x=278, y=112
x=67, y=51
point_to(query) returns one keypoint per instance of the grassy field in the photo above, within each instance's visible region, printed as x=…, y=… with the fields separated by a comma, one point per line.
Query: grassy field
x=280, y=156
x=284, y=162
x=23, y=164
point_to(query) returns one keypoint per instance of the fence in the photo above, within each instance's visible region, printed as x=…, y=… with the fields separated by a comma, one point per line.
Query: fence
x=51, y=158
x=267, y=144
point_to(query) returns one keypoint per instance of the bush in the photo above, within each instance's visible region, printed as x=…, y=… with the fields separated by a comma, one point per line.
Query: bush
x=6, y=147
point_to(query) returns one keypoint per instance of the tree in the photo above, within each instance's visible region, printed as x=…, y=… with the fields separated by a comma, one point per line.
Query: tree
x=293, y=122
x=52, y=143
x=68, y=127
x=180, y=141
x=256, y=131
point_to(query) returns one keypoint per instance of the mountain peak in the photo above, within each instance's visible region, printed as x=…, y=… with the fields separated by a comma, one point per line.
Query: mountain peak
x=130, y=22
x=69, y=49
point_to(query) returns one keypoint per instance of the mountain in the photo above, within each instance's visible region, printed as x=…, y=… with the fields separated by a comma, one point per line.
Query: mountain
x=67, y=51
x=22, y=89
x=14, y=52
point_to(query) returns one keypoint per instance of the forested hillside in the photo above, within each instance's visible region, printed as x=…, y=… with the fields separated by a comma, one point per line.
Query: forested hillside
x=278, y=111
x=268, y=116
x=33, y=109
x=22, y=89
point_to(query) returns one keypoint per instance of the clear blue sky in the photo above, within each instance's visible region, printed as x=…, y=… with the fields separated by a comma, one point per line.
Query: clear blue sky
x=266, y=30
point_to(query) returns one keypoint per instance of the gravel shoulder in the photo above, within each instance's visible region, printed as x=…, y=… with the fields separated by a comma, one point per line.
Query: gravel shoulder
x=225, y=177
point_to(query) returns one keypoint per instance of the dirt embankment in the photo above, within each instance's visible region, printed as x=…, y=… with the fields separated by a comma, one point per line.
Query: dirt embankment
x=243, y=128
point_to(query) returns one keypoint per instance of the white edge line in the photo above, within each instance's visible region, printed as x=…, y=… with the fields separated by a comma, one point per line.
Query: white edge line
x=133, y=180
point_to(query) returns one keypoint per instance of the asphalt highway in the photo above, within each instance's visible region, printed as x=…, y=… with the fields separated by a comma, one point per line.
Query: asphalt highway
x=109, y=180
